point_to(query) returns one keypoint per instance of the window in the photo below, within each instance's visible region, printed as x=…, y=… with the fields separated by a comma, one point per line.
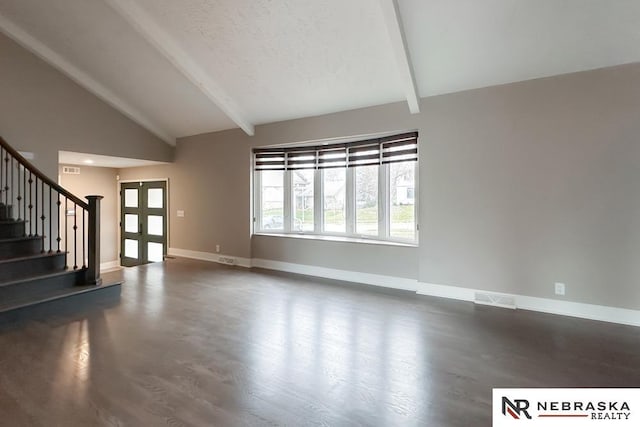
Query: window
x=272, y=198
x=402, y=204
x=366, y=194
x=303, y=199
x=334, y=197
x=364, y=189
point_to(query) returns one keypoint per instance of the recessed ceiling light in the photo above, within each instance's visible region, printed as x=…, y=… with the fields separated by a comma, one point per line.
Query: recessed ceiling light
x=89, y=161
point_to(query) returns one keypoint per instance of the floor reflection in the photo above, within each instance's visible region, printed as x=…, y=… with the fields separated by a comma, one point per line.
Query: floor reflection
x=70, y=357
x=326, y=348
x=145, y=290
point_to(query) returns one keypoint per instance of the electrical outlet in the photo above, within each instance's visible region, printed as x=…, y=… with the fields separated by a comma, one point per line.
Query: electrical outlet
x=217, y=248
x=560, y=288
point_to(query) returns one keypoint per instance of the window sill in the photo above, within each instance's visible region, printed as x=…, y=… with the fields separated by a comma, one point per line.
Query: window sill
x=328, y=238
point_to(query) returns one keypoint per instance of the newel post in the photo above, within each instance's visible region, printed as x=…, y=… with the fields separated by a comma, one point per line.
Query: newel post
x=93, y=241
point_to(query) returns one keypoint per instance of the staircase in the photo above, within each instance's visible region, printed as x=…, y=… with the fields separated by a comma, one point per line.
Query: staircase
x=49, y=242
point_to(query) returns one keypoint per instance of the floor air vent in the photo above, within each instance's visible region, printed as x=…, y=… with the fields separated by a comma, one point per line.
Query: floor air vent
x=227, y=260
x=496, y=300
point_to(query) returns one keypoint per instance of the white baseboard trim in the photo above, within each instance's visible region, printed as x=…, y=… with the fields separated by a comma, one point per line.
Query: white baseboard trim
x=545, y=305
x=109, y=265
x=443, y=291
x=208, y=256
x=332, y=273
x=576, y=309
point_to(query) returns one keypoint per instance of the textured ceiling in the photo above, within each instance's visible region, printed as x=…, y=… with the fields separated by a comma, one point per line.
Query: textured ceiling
x=283, y=59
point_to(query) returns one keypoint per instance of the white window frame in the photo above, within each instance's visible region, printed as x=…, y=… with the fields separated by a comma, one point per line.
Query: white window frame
x=384, y=208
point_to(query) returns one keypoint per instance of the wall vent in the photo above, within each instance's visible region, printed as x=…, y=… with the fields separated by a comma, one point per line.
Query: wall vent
x=71, y=170
x=227, y=260
x=496, y=300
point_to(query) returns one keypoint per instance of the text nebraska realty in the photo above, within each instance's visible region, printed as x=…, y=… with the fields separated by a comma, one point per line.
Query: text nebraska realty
x=597, y=410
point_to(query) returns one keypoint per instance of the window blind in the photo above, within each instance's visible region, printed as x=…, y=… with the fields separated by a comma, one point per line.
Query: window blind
x=378, y=151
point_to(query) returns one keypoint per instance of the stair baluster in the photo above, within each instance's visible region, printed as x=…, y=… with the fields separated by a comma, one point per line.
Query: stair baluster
x=42, y=216
x=24, y=200
x=84, y=265
x=30, y=203
x=75, y=236
x=58, y=239
x=50, y=237
x=11, y=181
x=6, y=179
x=19, y=198
x=2, y=184
x=66, y=232
x=1, y=176
x=1, y=173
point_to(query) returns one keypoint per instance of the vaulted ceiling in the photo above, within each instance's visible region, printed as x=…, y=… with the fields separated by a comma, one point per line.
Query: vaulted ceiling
x=183, y=67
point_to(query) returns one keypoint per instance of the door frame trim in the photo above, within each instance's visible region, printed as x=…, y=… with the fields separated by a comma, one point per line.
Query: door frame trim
x=166, y=201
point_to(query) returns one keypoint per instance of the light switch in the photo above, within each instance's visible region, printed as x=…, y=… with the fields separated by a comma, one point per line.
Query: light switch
x=180, y=214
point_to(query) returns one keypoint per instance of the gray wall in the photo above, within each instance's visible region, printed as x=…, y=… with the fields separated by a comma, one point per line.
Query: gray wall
x=536, y=182
x=521, y=185
x=102, y=181
x=210, y=182
x=362, y=257
x=43, y=111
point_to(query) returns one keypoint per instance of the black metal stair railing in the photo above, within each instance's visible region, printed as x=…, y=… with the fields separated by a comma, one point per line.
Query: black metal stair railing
x=64, y=222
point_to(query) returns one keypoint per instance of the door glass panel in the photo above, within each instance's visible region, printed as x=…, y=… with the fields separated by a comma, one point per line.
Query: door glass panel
x=130, y=198
x=131, y=248
x=154, y=251
x=131, y=223
x=154, y=226
x=155, y=197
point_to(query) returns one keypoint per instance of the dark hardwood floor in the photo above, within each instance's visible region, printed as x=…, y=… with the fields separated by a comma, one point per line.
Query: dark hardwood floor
x=195, y=343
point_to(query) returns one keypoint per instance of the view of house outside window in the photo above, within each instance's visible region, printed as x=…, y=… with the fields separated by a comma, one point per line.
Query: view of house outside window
x=334, y=189
x=303, y=199
x=402, y=189
x=272, y=197
x=365, y=191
